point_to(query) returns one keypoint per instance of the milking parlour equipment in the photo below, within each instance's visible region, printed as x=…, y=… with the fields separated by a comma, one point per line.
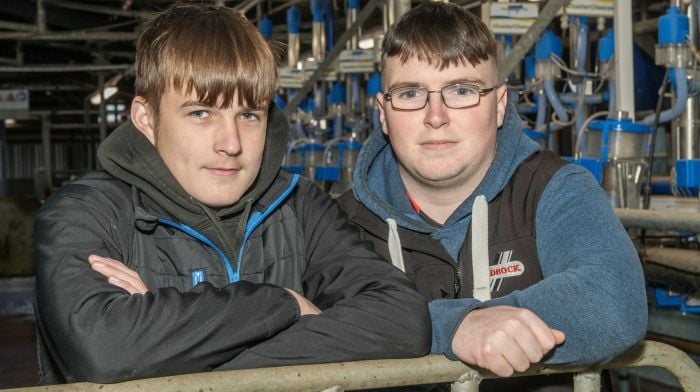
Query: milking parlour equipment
x=334, y=115
x=576, y=97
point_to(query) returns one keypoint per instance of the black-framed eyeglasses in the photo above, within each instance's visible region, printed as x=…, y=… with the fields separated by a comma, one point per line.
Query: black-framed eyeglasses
x=455, y=96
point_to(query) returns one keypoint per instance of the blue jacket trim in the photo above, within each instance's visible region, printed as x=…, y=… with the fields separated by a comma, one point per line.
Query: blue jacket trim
x=258, y=217
x=232, y=276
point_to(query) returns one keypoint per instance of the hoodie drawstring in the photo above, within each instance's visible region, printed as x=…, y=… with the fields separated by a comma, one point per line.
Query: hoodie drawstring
x=480, y=248
x=395, y=245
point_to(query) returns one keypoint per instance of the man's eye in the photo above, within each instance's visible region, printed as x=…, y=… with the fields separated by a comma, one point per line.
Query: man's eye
x=410, y=93
x=199, y=114
x=462, y=91
x=250, y=116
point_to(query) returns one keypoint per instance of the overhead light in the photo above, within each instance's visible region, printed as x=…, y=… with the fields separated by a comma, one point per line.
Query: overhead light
x=109, y=91
x=10, y=122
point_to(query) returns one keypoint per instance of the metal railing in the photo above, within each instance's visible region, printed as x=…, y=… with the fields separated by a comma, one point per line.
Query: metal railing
x=345, y=376
x=660, y=220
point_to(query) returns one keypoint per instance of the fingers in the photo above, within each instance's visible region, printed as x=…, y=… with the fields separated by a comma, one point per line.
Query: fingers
x=559, y=336
x=544, y=335
x=504, y=339
x=113, y=264
x=118, y=274
x=527, y=346
x=503, y=355
x=496, y=362
x=127, y=286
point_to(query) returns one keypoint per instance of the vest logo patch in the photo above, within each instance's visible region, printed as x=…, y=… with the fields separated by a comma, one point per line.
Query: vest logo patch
x=504, y=269
x=514, y=268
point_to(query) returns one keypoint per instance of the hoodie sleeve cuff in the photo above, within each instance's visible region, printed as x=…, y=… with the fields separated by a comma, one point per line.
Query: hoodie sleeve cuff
x=446, y=315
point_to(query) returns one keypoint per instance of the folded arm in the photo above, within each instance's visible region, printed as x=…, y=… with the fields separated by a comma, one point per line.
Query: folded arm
x=369, y=308
x=103, y=334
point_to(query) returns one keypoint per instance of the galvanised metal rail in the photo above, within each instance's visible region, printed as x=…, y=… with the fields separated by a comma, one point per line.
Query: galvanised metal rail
x=346, y=376
x=659, y=220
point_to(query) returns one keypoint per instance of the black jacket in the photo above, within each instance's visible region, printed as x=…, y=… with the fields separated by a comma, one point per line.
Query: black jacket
x=295, y=237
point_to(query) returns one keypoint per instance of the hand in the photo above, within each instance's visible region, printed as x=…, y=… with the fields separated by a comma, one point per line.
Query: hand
x=504, y=339
x=305, y=306
x=118, y=274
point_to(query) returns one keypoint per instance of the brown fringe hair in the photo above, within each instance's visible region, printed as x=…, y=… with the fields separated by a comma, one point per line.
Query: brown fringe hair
x=211, y=50
x=441, y=34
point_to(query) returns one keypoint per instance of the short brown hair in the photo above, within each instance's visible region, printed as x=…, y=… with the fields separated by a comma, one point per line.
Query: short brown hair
x=440, y=33
x=212, y=50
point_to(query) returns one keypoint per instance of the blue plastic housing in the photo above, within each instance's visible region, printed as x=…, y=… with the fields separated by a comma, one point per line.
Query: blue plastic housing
x=673, y=27
x=547, y=44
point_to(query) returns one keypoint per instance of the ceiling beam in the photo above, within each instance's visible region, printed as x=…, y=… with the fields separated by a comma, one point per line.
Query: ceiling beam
x=54, y=68
x=70, y=36
x=100, y=9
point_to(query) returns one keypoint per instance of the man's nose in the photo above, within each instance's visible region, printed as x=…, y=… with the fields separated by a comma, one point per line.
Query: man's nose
x=436, y=116
x=228, y=138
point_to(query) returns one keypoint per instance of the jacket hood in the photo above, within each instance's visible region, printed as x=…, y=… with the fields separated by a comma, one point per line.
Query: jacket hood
x=378, y=186
x=129, y=156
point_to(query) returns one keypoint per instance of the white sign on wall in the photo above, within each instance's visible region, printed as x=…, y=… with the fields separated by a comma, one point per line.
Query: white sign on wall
x=14, y=99
x=512, y=18
x=604, y=8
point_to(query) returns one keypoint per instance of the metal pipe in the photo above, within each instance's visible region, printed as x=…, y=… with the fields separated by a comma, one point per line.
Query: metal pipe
x=384, y=373
x=87, y=164
x=46, y=87
x=40, y=16
x=100, y=9
x=524, y=44
x=246, y=7
x=65, y=68
x=318, y=41
x=70, y=36
x=354, y=41
x=17, y=26
x=3, y=160
x=624, y=67
x=389, y=14
x=46, y=146
x=587, y=382
x=685, y=142
x=102, y=106
x=19, y=53
x=468, y=382
x=284, y=6
x=682, y=259
x=659, y=220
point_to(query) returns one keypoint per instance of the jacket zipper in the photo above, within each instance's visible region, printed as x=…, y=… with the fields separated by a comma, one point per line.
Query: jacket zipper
x=458, y=280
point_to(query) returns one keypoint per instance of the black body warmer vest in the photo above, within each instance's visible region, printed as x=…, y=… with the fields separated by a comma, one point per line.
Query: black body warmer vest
x=513, y=260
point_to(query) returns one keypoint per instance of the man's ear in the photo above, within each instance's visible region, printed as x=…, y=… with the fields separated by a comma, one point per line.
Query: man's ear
x=502, y=94
x=379, y=97
x=143, y=118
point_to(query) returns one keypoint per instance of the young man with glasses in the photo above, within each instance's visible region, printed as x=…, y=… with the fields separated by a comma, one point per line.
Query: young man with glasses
x=566, y=280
